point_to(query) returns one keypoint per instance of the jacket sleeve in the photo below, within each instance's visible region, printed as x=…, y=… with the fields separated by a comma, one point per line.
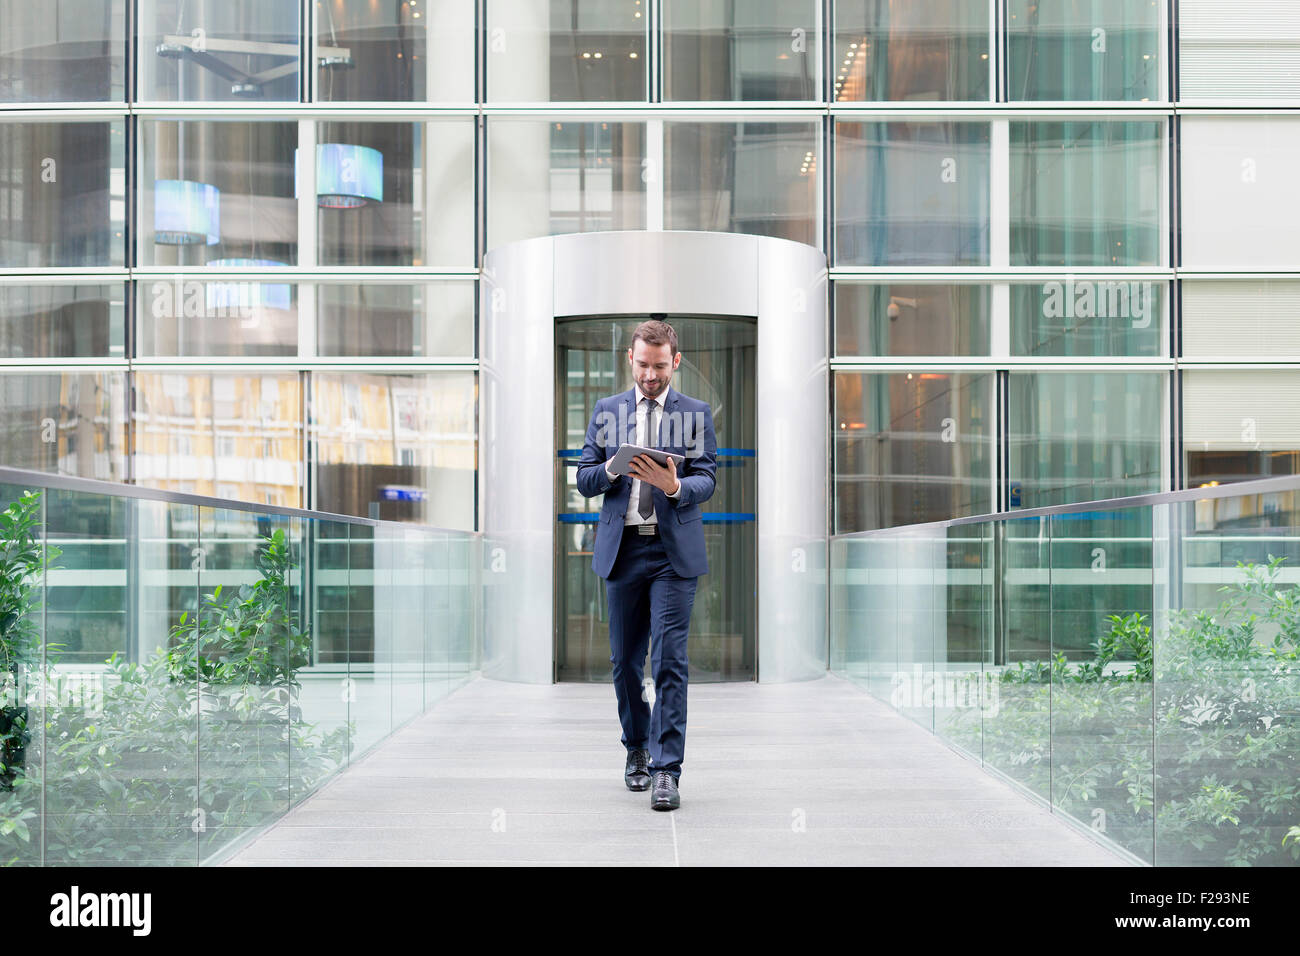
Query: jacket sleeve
x=592, y=478
x=697, y=475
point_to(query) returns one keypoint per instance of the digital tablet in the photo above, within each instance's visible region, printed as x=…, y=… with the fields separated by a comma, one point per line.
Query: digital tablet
x=623, y=457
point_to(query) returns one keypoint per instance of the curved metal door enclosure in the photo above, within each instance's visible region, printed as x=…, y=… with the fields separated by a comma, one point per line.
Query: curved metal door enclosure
x=526, y=287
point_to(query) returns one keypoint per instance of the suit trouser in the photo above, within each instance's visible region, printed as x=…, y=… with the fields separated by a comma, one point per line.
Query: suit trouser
x=650, y=602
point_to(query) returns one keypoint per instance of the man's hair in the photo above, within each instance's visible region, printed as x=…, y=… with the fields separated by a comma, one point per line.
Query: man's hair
x=655, y=332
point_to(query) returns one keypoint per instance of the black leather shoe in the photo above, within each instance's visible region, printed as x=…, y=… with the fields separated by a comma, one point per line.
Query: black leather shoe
x=665, y=795
x=637, y=773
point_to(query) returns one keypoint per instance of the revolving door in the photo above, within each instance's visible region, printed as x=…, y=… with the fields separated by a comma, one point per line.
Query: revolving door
x=719, y=363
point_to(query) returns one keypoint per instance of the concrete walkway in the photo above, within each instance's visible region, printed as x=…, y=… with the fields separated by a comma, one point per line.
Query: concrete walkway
x=788, y=774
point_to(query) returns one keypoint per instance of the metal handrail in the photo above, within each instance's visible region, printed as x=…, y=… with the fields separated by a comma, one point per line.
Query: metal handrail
x=117, y=489
x=1260, y=486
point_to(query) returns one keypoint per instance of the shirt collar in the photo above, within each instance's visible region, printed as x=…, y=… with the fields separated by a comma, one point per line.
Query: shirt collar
x=662, y=399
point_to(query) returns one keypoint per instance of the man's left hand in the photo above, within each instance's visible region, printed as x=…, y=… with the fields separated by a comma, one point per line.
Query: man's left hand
x=663, y=477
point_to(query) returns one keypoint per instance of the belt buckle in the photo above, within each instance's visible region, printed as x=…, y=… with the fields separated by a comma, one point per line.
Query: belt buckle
x=646, y=529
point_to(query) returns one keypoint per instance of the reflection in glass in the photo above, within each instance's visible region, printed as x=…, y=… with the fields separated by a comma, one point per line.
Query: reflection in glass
x=1240, y=424
x=378, y=53
x=66, y=52
x=229, y=316
x=548, y=178
x=911, y=447
x=248, y=165
x=395, y=446
x=1083, y=50
x=62, y=321
x=1077, y=316
x=758, y=50
x=64, y=423
x=566, y=50
x=236, y=50
x=397, y=319
x=883, y=319
x=186, y=213
x=368, y=212
x=753, y=178
x=919, y=50
x=912, y=193
x=347, y=175
x=62, y=194
x=225, y=434
x=1086, y=194
x=1079, y=436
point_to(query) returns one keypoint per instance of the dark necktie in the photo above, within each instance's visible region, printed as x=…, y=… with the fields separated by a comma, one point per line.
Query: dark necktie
x=645, y=503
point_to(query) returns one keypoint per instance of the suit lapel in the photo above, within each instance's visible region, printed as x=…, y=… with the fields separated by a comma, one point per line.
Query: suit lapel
x=629, y=417
x=663, y=417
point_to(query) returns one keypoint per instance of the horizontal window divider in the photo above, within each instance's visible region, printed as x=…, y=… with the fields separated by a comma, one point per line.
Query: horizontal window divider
x=403, y=362
x=1237, y=107
x=986, y=274
x=316, y=274
x=967, y=113
x=563, y=111
x=448, y=108
x=242, y=363
x=715, y=106
x=52, y=276
x=1264, y=362
x=1190, y=274
x=289, y=111
x=76, y=363
x=1088, y=363
x=64, y=111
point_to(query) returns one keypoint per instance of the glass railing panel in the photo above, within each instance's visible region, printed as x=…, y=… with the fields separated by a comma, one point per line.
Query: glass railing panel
x=245, y=646
x=1101, y=693
x=119, y=775
x=24, y=559
x=1227, y=680
x=371, y=694
x=438, y=604
x=963, y=637
x=1016, y=737
x=1136, y=665
x=918, y=554
x=880, y=614
x=464, y=582
x=181, y=675
x=320, y=725
x=847, y=656
x=405, y=605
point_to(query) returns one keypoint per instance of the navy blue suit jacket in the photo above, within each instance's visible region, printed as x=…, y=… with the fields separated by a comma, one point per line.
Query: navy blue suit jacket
x=685, y=429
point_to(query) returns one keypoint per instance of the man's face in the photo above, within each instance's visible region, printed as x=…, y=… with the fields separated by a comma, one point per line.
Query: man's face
x=652, y=366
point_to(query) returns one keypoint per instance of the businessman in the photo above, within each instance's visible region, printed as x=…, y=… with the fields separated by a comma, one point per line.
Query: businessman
x=650, y=550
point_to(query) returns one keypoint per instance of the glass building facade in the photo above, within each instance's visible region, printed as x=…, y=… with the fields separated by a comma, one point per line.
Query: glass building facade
x=240, y=243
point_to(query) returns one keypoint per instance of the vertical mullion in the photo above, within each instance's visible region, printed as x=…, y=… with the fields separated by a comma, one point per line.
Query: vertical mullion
x=655, y=165
x=307, y=51
x=654, y=87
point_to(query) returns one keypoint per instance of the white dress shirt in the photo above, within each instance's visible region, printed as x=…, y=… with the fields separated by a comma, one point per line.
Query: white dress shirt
x=632, y=516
